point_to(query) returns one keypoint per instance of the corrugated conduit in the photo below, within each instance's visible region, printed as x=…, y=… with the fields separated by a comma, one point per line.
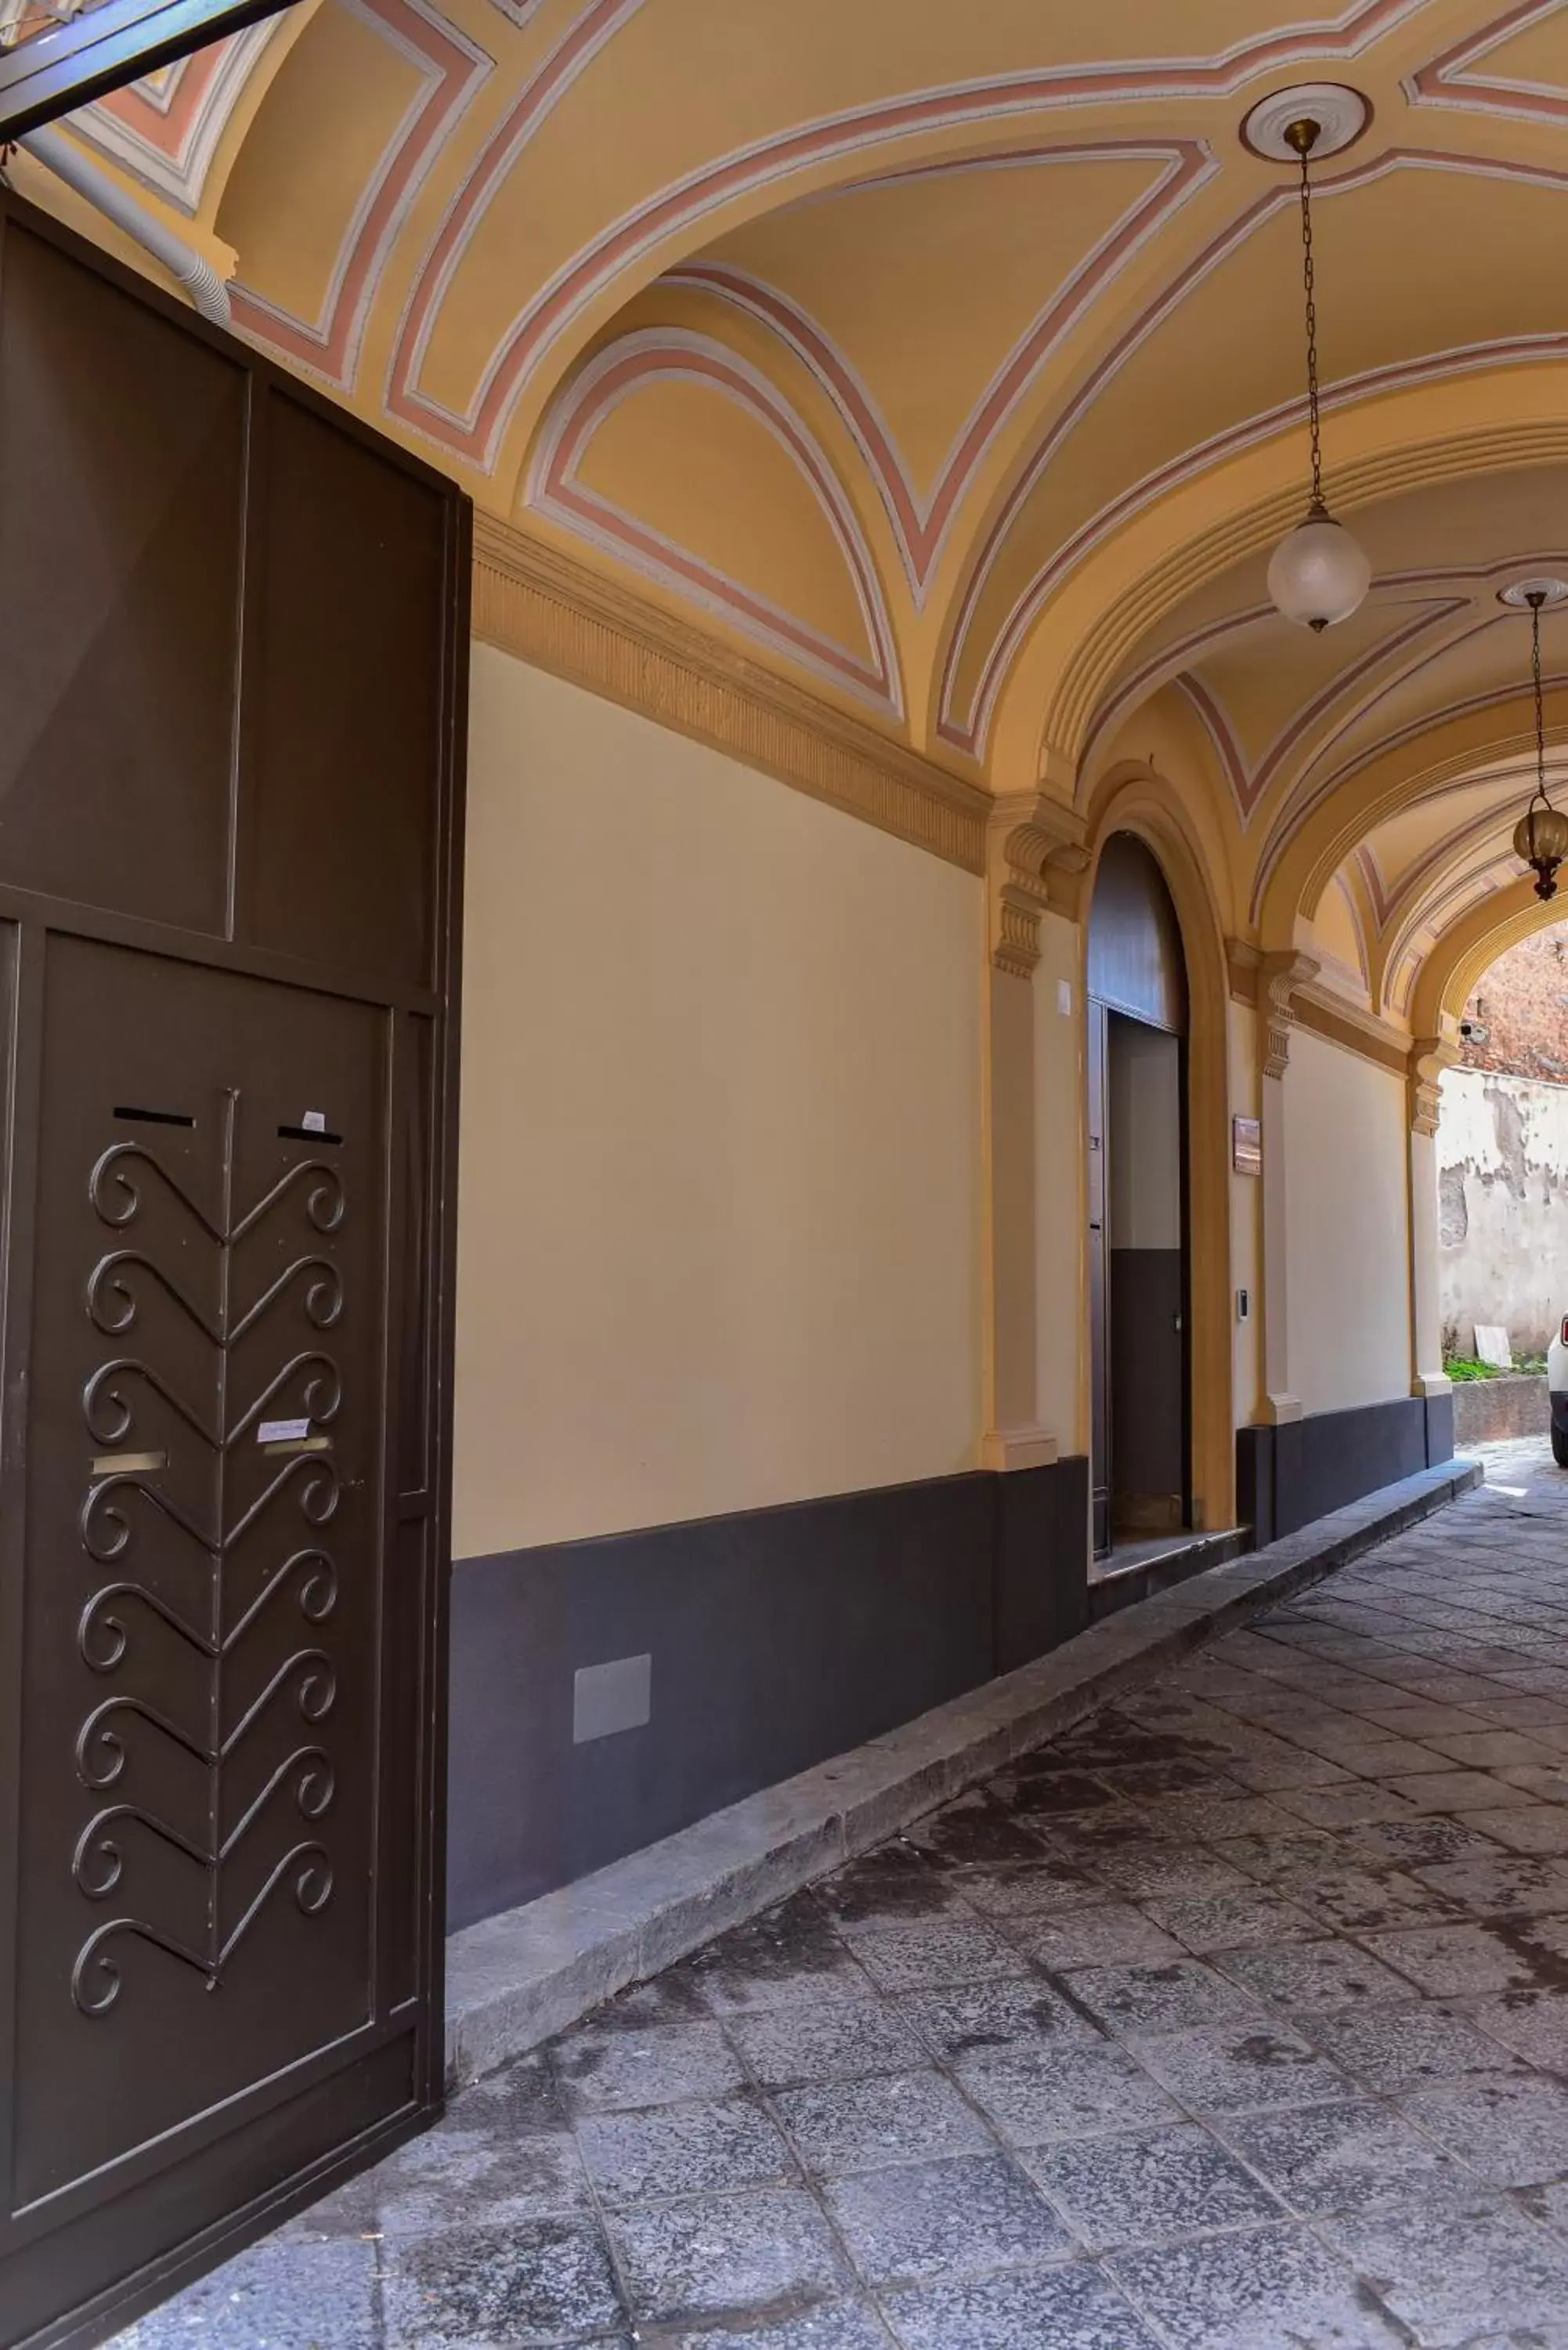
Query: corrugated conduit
x=187, y=267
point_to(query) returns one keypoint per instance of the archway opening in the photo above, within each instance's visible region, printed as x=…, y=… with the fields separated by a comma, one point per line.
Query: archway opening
x=1502, y=1152
x=1139, y=1256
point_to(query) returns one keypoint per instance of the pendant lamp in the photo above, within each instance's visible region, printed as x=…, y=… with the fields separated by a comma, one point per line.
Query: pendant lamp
x=1541, y=836
x=1319, y=575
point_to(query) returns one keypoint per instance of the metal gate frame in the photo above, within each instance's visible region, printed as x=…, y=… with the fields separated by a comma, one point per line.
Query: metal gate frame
x=34, y=913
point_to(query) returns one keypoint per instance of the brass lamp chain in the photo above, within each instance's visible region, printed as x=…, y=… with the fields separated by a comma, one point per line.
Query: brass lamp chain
x=1302, y=137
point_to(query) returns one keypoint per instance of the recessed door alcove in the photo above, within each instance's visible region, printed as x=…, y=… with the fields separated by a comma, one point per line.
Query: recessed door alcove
x=1139, y=1255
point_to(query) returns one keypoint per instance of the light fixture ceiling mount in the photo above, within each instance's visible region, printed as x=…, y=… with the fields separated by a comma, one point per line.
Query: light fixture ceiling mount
x=1318, y=575
x=1340, y=113
x=1522, y=594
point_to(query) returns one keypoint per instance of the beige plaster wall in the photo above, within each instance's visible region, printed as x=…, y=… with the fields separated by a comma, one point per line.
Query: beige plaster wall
x=1059, y=1180
x=1347, y=1207
x=1502, y=1207
x=719, y=1183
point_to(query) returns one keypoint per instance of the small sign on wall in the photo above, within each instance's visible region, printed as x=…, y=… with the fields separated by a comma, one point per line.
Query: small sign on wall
x=1246, y=1146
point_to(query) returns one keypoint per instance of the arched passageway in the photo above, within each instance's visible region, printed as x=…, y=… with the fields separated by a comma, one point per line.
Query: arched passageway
x=958, y=982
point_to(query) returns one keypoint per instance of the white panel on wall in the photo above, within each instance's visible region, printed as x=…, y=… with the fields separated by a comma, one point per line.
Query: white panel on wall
x=1346, y=1209
x=719, y=1202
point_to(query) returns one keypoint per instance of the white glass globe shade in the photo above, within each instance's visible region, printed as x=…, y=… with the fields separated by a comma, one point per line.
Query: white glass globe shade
x=1319, y=575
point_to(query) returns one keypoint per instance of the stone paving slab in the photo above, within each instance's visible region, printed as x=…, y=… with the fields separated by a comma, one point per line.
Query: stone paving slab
x=514, y=1979
x=976, y=2089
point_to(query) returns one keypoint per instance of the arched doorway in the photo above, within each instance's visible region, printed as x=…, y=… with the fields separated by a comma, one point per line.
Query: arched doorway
x=1140, y=1355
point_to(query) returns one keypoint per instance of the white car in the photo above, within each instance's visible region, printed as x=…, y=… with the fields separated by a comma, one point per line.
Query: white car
x=1557, y=1387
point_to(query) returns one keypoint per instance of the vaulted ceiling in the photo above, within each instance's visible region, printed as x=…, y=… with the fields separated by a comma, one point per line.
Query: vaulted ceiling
x=950, y=361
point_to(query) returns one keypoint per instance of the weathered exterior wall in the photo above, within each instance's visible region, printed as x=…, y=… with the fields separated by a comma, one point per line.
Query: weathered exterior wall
x=1522, y=1007
x=1502, y=1226
x=1494, y=1411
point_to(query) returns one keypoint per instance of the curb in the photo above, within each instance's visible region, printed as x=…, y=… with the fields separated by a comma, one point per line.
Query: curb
x=514, y=1979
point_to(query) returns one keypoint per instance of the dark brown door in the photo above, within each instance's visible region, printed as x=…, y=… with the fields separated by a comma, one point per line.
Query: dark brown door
x=228, y=834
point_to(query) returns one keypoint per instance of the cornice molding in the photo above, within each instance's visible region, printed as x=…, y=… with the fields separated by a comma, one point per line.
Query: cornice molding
x=1322, y=1010
x=535, y=601
x=1292, y=991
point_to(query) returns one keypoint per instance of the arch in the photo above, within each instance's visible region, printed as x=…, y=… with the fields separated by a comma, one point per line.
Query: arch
x=923, y=523
x=448, y=69
x=166, y=130
x=1310, y=845
x=969, y=726
x=825, y=152
x=1468, y=947
x=1058, y=661
x=1134, y=798
x=616, y=375
x=1136, y=963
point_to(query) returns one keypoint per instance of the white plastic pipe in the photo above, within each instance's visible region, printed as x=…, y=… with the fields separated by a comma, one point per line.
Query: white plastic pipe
x=186, y=267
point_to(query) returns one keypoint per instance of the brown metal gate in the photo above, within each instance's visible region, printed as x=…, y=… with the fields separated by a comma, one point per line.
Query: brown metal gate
x=231, y=652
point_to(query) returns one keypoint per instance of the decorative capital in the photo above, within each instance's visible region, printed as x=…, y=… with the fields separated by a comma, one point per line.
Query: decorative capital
x=1429, y=1057
x=1036, y=858
x=1278, y=978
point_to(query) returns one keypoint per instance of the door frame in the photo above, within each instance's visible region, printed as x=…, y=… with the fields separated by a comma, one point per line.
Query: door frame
x=32, y=914
x=1133, y=796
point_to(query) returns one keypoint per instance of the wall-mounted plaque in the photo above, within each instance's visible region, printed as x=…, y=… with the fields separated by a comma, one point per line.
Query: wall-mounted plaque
x=1246, y=1146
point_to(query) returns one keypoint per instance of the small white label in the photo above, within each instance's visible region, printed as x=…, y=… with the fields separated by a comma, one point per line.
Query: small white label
x=314, y=1121
x=1065, y=998
x=281, y=1431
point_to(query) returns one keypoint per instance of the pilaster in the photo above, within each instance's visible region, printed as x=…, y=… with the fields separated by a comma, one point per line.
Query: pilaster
x=1429, y=1057
x=1036, y=859
x=1277, y=976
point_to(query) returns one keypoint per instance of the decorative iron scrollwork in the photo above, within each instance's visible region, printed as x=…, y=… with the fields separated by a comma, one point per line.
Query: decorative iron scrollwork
x=121, y=1615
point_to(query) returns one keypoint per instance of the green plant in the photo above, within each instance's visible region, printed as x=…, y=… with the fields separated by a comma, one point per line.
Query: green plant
x=1466, y=1367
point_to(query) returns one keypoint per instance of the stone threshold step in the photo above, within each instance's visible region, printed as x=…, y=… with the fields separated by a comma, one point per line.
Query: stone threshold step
x=1116, y=1583
x=515, y=1979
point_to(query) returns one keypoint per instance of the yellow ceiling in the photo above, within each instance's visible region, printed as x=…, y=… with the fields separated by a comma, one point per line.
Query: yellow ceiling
x=950, y=360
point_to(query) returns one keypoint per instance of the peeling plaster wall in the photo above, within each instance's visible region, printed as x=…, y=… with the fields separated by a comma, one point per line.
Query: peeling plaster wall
x=1502, y=1207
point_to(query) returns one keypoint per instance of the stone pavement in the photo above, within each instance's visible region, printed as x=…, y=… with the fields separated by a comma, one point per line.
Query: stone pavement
x=1235, y=2020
